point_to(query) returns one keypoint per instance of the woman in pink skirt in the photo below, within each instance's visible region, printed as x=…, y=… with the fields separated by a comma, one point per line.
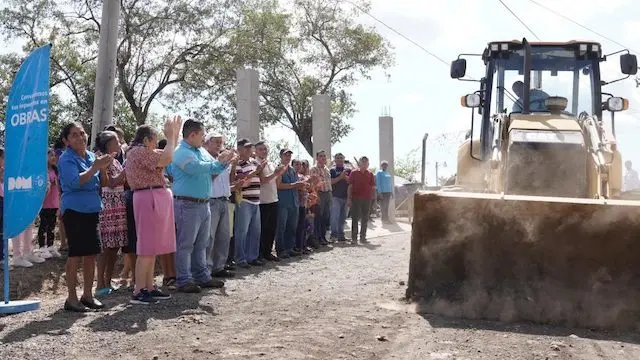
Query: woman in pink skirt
x=152, y=205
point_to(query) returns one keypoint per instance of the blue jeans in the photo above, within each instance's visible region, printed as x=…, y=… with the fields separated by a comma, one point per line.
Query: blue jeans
x=301, y=231
x=338, y=215
x=286, y=230
x=192, y=237
x=220, y=236
x=246, y=225
x=322, y=215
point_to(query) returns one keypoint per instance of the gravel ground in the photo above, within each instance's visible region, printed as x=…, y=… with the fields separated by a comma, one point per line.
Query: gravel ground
x=343, y=303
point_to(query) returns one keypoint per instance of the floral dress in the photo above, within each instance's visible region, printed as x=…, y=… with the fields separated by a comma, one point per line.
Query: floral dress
x=113, y=217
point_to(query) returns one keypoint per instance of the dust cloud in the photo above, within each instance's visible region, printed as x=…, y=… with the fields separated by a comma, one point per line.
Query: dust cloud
x=552, y=263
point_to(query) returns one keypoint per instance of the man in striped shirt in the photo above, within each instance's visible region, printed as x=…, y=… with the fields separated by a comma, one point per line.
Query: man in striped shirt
x=247, y=212
x=323, y=208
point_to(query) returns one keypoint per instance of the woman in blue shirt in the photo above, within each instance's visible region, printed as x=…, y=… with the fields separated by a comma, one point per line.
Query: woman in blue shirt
x=80, y=207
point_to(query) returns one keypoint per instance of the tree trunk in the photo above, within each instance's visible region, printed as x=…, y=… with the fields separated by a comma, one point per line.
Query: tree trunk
x=305, y=133
x=140, y=116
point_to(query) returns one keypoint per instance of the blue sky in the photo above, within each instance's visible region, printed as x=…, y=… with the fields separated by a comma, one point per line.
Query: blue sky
x=422, y=97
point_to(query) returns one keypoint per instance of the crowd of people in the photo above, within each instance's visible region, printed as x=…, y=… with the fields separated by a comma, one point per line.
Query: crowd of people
x=201, y=207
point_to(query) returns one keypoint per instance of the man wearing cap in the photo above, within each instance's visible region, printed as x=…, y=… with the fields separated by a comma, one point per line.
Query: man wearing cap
x=288, y=186
x=220, y=236
x=322, y=211
x=192, y=168
x=246, y=219
x=268, y=202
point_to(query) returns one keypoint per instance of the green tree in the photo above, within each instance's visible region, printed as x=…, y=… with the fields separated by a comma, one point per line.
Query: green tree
x=316, y=48
x=408, y=166
x=159, y=44
x=183, y=55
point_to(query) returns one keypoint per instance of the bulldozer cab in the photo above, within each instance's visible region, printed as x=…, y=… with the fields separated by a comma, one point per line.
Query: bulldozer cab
x=537, y=92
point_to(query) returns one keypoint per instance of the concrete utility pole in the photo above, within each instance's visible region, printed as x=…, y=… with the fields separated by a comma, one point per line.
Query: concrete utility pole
x=321, y=125
x=386, y=151
x=248, y=104
x=106, y=72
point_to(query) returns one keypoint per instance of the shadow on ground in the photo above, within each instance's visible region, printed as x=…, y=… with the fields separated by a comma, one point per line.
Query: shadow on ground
x=126, y=318
x=120, y=316
x=58, y=324
x=437, y=321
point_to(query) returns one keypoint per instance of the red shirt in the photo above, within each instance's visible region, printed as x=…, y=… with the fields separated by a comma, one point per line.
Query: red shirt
x=362, y=184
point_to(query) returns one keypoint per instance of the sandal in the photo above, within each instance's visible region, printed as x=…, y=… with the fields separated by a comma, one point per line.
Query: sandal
x=104, y=291
x=75, y=307
x=92, y=304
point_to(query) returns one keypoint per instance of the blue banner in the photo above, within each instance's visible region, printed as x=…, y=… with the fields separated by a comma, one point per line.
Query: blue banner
x=26, y=142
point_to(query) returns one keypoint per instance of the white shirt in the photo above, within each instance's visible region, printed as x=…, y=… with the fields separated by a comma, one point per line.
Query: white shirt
x=631, y=180
x=269, y=191
x=221, y=186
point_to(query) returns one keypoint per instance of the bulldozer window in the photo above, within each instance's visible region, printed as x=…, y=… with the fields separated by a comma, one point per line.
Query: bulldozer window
x=556, y=71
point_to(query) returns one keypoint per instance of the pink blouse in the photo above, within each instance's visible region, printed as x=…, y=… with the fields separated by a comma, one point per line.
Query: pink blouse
x=142, y=168
x=52, y=199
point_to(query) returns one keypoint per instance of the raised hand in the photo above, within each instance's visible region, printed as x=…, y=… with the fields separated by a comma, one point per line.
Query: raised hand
x=103, y=161
x=177, y=126
x=262, y=165
x=171, y=127
x=226, y=156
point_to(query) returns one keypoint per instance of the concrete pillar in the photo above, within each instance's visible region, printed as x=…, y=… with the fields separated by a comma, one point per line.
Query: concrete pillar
x=248, y=104
x=321, y=125
x=386, y=153
x=106, y=71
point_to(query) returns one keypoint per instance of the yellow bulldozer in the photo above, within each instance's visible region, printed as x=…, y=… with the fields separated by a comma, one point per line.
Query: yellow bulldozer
x=537, y=226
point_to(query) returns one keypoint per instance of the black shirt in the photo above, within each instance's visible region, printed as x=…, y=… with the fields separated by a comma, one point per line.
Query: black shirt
x=341, y=188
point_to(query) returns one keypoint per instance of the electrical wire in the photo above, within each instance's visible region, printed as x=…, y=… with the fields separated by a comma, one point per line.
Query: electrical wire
x=397, y=32
x=583, y=26
x=518, y=18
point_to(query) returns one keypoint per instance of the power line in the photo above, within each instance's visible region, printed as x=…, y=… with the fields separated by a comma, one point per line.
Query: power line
x=518, y=18
x=583, y=26
x=397, y=32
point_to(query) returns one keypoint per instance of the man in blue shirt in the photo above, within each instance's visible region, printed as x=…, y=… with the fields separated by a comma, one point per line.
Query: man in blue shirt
x=536, y=98
x=288, y=185
x=192, y=169
x=384, y=188
x=339, y=189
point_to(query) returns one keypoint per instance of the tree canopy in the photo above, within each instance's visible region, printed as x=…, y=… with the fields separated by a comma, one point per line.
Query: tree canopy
x=181, y=55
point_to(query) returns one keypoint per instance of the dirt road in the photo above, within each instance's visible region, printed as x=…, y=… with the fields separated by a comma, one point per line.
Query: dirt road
x=340, y=304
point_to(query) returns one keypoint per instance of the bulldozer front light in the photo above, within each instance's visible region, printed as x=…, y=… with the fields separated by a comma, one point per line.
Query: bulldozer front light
x=583, y=48
x=546, y=136
x=470, y=101
x=595, y=48
x=617, y=104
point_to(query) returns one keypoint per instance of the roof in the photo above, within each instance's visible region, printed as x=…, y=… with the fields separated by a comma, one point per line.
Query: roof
x=548, y=43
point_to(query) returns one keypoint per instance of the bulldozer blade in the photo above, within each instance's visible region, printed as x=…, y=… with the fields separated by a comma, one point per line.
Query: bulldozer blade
x=562, y=261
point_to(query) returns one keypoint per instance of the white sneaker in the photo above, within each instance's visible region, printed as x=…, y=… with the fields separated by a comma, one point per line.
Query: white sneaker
x=44, y=253
x=34, y=258
x=54, y=252
x=21, y=262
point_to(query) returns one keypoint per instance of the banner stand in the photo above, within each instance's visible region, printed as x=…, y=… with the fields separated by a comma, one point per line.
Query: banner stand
x=26, y=144
x=16, y=306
